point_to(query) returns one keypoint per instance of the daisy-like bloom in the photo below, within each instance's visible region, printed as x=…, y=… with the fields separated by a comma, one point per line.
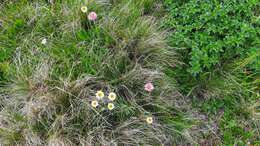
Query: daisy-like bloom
x=84, y=9
x=44, y=41
x=112, y=96
x=92, y=16
x=94, y=103
x=110, y=106
x=100, y=94
x=149, y=87
x=149, y=120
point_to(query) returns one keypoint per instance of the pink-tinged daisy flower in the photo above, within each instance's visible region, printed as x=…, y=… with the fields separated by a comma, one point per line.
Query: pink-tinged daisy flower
x=149, y=87
x=92, y=16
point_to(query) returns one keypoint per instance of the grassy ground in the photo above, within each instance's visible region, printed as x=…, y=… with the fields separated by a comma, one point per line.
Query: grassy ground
x=47, y=88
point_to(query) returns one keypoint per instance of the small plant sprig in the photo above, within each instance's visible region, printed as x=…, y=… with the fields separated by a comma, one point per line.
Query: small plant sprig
x=92, y=16
x=88, y=18
x=149, y=87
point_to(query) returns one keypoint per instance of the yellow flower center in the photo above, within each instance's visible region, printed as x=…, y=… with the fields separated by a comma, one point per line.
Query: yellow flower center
x=94, y=103
x=100, y=94
x=149, y=120
x=112, y=96
x=84, y=9
x=110, y=106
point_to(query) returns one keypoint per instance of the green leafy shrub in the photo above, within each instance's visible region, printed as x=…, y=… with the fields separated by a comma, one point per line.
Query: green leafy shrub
x=220, y=50
x=214, y=32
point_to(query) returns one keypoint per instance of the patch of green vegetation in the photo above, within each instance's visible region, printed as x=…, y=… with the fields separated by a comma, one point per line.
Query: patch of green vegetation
x=232, y=118
x=213, y=32
x=219, y=44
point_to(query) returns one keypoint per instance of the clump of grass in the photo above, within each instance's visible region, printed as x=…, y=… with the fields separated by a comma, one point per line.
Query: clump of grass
x=50, y=86
x=137, y=34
